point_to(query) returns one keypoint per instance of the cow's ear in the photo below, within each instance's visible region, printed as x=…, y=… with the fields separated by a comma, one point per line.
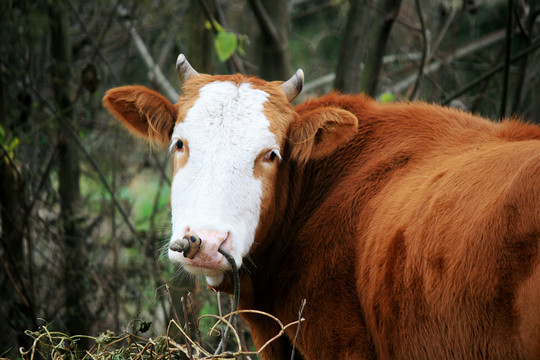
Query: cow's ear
x=143, y=111
x=318, y=133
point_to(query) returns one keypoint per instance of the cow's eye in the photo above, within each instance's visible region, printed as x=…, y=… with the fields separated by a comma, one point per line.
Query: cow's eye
x=271, y=156
x=179, y=145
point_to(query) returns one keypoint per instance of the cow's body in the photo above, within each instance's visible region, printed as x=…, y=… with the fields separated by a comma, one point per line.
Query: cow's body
x=417, y=237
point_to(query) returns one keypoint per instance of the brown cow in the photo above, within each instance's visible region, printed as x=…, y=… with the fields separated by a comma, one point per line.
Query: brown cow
x=412, y=230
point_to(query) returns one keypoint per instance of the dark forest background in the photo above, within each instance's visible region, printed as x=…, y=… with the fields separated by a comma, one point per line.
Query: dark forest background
x=85, y=207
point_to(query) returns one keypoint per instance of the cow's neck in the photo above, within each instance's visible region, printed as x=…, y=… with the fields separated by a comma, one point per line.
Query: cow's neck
x=289, y=268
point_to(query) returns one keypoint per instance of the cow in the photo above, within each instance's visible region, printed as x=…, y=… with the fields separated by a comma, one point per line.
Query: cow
x=411, y=229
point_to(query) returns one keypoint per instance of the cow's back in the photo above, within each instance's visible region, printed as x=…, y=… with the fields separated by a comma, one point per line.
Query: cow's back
x=445, y=208
x=448, y=256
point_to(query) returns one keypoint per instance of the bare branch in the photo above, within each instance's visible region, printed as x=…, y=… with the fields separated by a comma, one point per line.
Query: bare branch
x=171, y=93
x=71, y=132
x=97, y=45
x=265, y=23
x=414, y=90
x=531, y=18
x=302, y=305
x=487, y=75
x=507, y=55
x=441, y=35
x=461, y=52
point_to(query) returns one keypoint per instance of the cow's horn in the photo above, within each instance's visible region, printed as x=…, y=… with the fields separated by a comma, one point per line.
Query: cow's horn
x=294, y=85
x=184, y=69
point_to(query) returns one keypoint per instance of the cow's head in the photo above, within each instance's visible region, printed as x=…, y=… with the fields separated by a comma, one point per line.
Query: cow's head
x=228, y=137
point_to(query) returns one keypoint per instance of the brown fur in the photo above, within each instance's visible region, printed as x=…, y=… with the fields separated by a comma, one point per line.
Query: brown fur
x=414, y=235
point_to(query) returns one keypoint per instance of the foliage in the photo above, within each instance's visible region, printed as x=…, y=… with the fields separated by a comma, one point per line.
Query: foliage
x=175, y=344
x=386, y=97
x=8, y=145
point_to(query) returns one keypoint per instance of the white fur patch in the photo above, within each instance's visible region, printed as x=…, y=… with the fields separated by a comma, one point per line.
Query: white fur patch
x=225, y=131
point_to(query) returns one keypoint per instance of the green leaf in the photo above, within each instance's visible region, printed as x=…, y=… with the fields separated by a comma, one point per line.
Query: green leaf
x=386, y=97
x=217, y=26
x=225, y=44
x=243, y=41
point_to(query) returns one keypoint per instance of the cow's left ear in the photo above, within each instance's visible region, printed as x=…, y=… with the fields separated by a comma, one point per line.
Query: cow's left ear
x=144, y=112
x=318, y=133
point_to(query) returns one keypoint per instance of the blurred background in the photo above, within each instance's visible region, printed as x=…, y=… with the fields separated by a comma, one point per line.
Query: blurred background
x=85, y=206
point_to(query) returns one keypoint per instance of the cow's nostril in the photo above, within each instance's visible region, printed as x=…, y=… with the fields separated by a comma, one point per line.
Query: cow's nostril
x=194, y=244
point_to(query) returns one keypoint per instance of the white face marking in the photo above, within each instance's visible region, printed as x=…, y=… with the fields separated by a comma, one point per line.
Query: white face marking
x=225, y=131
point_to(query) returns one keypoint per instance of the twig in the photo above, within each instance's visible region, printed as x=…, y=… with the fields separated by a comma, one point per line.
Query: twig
x=478, y=80
x=223, y=321
x=507, y=56
x=13, y=282
x=171, y=93
x=90, y=38
x=481, y=93
x=176, y=317
x=524, y=32
x=198, y=330
x=424, y=51
x=267, y=27
x=43, y=180
x=441, y=35
x=64, y=122
x=188, y=328
x=520, y=79
x=198, y=347
x=220, y=312
x=459, y=53
x=302, y=305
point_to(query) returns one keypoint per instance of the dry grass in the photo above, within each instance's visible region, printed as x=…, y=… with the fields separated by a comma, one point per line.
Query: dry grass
x=109, y=346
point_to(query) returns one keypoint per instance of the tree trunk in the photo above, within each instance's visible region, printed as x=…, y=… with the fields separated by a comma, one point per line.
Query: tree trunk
x=200, y=44
x=17, y=311
x=273, y=42
x=353, y=47
x=75, y=258
x=376, y=45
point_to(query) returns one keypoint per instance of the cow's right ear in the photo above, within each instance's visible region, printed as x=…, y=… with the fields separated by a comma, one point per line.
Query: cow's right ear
x=319, y=132
x=144, y=112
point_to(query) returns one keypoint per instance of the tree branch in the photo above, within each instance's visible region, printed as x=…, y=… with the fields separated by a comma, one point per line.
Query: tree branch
x=73, y=134
x=461, y=52
x=414, y=90
x=467, y=87
x=526, y=34
x=507, y=55
x=97, y=45
x=267, y=27
x=171, y=93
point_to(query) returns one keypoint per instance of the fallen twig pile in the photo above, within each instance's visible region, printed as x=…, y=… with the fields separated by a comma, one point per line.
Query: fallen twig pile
x=109, y=346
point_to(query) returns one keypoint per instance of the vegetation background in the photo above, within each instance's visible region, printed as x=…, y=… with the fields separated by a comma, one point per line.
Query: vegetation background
x=84, y=206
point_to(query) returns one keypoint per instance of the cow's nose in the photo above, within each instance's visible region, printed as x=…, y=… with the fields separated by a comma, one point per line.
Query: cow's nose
x=215, y=239
x=190, y=244
x=205, y=244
